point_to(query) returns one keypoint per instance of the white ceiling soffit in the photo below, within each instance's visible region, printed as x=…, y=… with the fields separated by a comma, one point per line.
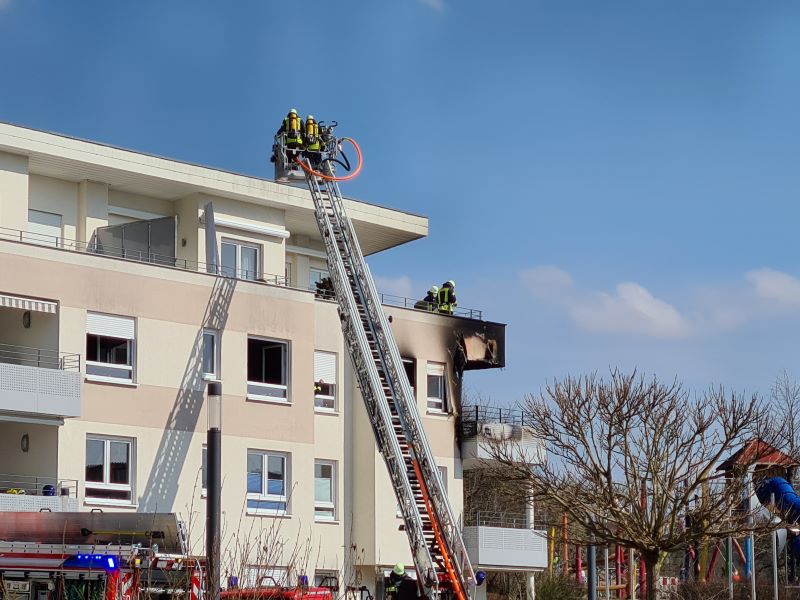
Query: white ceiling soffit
x=23, y=303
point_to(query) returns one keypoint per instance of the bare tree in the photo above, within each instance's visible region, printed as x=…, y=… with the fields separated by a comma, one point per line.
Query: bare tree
x=629, y=458
x=785, y=400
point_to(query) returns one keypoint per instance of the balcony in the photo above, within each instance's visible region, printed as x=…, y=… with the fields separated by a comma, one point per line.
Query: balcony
x=34, y=493
x=487, y=430
x=503, y=541
x=41, y=382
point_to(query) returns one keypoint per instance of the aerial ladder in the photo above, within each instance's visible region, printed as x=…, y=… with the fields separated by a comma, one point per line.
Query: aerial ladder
x=440, y=557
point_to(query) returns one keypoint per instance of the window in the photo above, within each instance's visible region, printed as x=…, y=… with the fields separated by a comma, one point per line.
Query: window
x=315, y=276
x=44, y=228
x=266, y=483
x=287, y=274
x=240, y=260
x=437, y=388
x=265, y=576
x=267, y=370
x=326, y=579
x=109, y=469
x=324, y=381
x=443, y=477
x=410, y=366
x=210, y=354
x=204, y=471
x=324, y=490
x=109, y=348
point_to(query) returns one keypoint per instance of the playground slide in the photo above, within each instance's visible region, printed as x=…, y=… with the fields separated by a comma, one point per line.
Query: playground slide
x=787, y=505
x=787, y=502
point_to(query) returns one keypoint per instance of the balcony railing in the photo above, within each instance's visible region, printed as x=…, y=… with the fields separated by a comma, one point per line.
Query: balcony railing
x=403, y=302
x=17, y=235
x=518, y=520
x=38, y=357
x=471, y=414
x=37, y=485
x=498, y=540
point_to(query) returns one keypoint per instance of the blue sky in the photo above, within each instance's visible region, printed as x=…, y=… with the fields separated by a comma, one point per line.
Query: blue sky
x=617, y=181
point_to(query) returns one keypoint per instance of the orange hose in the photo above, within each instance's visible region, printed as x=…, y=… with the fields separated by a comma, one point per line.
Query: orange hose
x=352, y=175
x=455, y=579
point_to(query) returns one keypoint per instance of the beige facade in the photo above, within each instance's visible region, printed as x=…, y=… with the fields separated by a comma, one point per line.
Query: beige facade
x=142, y=393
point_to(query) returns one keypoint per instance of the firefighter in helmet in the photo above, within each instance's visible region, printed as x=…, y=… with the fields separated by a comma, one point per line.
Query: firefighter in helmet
x=292, y=129
x=447, y=297
x=312, y=139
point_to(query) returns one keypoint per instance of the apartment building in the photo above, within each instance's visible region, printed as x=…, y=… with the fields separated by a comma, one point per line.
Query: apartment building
x=111, y=326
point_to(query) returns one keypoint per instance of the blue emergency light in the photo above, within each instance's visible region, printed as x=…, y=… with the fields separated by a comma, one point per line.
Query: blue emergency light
x=92, y=561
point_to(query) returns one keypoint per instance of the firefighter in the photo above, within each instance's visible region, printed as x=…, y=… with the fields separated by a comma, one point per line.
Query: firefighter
x=313, y=142
x=447, y=297
x=430, y=301
x=292, y=127
x=400, y=586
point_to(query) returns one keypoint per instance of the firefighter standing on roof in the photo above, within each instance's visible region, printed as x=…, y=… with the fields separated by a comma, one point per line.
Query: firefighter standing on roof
x=447, y=297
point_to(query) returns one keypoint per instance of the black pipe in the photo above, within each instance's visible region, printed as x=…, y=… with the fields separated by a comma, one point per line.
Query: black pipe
x=591, y=568
x=213, y=500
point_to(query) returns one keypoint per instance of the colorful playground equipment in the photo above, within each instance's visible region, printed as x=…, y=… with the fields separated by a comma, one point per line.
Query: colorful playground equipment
x=622, y=574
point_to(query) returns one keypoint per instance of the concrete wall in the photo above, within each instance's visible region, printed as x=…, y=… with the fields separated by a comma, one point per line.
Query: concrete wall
x=164, y=410
x=42, y=334
x=13, y=191
x=41, y=459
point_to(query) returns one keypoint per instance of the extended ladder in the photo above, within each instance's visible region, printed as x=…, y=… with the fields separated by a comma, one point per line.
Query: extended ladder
x=441, y=561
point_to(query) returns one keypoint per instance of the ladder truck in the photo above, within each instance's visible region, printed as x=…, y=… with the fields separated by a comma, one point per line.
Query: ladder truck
x=443, y=568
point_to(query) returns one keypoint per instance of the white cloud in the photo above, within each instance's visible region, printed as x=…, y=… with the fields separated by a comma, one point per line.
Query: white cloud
x=547, y=281
x=770, y=285
x=437, y=5
x=396, y=286
x=630, y=309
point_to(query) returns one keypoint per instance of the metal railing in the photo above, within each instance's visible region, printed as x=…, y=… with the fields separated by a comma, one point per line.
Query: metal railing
x=39, y=357
x=38, y=485
x=403, y=302
x=472, y=414
x=184, y=264
x=505, y=520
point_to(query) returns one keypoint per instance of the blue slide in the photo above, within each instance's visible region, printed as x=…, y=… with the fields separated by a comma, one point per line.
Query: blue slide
x=787, y=503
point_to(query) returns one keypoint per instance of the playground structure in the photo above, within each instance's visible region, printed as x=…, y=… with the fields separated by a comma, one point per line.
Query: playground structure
x=620, y=573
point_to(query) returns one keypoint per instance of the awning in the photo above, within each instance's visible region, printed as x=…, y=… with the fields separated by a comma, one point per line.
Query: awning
x=23, y=303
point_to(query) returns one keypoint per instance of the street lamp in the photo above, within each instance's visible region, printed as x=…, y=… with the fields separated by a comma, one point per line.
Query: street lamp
x=214, y=490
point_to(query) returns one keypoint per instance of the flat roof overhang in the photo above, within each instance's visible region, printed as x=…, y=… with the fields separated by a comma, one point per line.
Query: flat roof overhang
x=62, y=157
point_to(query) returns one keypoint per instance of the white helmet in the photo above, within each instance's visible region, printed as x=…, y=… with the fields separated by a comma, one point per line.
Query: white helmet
x=434, y=289
x=451, y=282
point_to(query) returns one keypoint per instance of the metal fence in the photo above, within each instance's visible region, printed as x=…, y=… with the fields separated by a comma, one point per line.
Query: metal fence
x=39, y=357
x=505, y=520
x=403, y=302
x=493, y=414
x=38, y=485
x=183, y=264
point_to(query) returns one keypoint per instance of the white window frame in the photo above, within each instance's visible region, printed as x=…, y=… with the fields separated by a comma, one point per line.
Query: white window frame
x=215, y=375
x=131, y=344
x=40, y=237
x=325, y=398
x=434, y=369
x=259, y=575
x=203, y=470
x=239, y=244
x=329, y=508
x=116, y=487
x=312, y=284
x=320, y=575
x=264, y=496
x=413, y=363
x=285, y=398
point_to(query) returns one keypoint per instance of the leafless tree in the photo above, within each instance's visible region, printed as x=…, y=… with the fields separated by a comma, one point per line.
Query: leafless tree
x=630, y=458
x=785, y=400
